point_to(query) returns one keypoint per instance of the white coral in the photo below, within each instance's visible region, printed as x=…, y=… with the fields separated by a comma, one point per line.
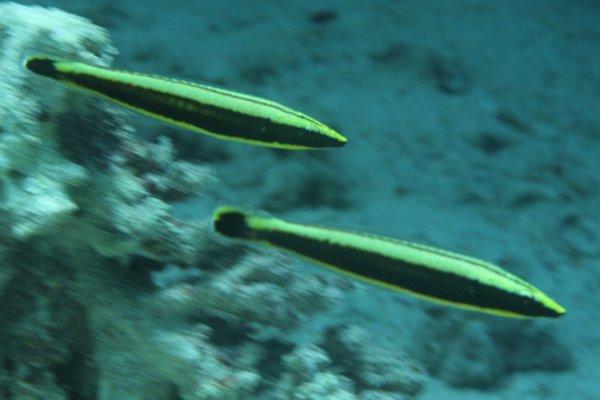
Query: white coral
x=36, y=176
x=262, y=289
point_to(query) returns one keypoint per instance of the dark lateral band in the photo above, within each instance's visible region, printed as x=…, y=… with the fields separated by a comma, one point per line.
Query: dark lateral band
x=209, y=118
x=418, y=279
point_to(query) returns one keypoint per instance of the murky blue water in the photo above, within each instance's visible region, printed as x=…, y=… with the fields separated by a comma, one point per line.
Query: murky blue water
x=472, y=126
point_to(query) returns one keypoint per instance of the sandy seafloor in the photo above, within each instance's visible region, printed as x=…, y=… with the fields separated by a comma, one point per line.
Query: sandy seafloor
x=472, y=125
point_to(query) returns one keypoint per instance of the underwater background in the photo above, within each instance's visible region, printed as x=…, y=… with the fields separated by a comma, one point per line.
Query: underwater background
x=472, y=125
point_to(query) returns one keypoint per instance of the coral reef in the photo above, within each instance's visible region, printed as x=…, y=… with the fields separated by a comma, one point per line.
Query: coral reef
x=348, y=366
x=105, y=294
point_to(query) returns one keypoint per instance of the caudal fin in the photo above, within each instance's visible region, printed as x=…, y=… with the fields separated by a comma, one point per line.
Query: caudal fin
x=41, y=65
x=231, y=221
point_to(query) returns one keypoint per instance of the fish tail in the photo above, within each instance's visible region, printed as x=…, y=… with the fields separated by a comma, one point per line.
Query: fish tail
x=232, y=222
x=43, y=65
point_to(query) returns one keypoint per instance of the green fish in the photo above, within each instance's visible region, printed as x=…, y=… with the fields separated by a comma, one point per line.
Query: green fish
x=209, y=110
x=422, y=271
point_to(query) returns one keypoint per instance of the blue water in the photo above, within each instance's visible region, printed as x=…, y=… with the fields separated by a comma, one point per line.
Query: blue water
x=472, y=125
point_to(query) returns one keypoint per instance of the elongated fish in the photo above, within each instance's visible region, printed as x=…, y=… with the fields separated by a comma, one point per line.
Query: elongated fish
x=216, y=112
x=419, y=270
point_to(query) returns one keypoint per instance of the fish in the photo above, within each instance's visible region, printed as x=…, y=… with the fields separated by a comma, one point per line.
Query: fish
x=422, y=271
x=213, y=111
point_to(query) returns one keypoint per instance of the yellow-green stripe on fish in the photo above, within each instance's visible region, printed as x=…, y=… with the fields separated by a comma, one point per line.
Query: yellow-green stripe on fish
x=216, y=112
x=422, y=271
